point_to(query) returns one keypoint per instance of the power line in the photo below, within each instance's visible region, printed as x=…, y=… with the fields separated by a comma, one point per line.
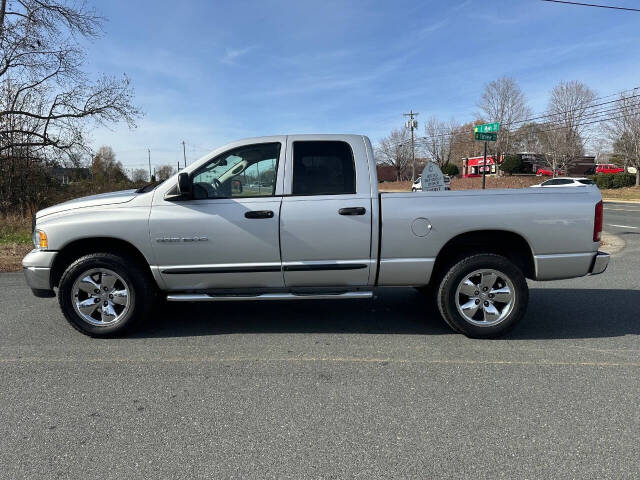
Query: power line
x=594, y=5
x=555, y=114
x=586, y=116
x=546, y=114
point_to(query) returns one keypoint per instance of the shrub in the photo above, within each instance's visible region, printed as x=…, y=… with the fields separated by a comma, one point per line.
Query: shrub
x=621, y=180
x=450, y=169
x=614, y=180
x=512, y=164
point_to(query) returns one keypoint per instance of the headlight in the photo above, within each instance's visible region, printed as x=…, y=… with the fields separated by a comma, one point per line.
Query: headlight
x=40, y=240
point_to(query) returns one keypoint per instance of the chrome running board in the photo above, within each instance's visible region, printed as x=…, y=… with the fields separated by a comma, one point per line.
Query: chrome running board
x=204, y=297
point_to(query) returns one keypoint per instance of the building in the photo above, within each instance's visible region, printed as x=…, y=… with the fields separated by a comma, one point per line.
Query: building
x=581, y=166
x=67, y=175
x=473, y=166
x=531, y=162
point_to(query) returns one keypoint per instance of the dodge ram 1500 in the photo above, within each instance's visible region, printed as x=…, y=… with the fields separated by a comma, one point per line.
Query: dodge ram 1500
x=300, y=217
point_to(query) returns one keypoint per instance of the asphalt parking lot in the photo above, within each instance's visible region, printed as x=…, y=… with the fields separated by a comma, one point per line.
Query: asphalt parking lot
x=353, y=389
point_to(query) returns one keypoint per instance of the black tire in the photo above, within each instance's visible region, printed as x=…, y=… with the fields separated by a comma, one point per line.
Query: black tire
x=447, y=293
x=140, y=287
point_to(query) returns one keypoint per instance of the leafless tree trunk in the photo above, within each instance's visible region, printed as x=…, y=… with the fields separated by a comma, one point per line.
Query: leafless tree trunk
x=140, y=175
x=439, y=141
x=395, y=151
x=503, y=101
x=163, y=172
x=624, y=131
x=48, y=102
x=564, y=135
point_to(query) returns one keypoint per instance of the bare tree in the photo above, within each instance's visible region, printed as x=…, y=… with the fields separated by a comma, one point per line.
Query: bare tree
x=163, y=172
x=563, y=137
x=440, y=139
x=140, y=175
x=46, y=100
x=503, y=101
x=105, y=168
x=395, y=151
x=528, y=138
x=624, y=131
x=464, y=143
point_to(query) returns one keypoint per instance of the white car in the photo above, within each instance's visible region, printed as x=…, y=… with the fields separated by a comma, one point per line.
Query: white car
x=417, y=185
x=565, y=182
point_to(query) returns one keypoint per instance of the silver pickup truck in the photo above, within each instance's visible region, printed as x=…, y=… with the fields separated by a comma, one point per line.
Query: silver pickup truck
x=300, y=217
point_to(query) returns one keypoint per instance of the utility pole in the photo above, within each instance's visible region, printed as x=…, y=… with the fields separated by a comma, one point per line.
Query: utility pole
x=184, y=154
x=149, y=152
x=412, y=125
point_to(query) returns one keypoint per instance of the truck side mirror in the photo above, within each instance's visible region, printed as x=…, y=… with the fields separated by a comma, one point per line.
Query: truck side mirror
x=184, y=184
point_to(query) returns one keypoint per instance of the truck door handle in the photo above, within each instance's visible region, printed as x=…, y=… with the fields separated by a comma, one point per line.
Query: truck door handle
x=352, y=211
x=259, y=214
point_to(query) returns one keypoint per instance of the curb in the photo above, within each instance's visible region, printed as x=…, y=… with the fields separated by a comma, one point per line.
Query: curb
x=631, y=202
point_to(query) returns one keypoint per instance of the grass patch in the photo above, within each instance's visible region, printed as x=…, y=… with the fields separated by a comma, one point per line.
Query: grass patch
x=628, y=193
x=15, y=230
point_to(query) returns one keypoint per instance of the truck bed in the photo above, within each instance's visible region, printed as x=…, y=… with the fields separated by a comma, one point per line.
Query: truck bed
x=557, y=225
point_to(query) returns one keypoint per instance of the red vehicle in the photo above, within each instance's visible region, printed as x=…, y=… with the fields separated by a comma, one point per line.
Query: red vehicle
x=546, y=172
x=608, y=168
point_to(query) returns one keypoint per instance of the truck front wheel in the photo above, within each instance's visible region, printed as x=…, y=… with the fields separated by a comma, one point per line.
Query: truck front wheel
x=483, y=295
x=103, y=295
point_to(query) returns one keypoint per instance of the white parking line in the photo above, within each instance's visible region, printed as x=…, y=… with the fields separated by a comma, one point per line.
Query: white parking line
x=620, y=226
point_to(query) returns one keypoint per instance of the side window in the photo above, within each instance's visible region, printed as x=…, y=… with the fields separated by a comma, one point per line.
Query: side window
x=323, y=168
x=564, y=181
x=247, y=171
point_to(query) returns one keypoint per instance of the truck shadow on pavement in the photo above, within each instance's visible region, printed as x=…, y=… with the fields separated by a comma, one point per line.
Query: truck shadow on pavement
x=552, y=313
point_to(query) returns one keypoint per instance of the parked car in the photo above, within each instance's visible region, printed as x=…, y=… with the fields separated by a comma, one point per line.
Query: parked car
x=417, y=185
x=547, y=172
x=608, y=168
x=566, y=182
x=320, y=231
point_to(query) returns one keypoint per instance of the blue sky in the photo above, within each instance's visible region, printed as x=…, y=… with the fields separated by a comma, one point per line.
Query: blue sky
x=210, y=72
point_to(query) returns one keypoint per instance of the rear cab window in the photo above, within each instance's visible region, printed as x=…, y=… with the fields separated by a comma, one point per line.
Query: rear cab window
x=323, y=168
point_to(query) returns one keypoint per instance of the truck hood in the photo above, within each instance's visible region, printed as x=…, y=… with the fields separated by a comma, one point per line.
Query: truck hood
x=110, y=198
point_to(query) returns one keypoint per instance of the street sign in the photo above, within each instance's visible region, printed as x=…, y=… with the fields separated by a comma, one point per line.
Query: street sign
x=486, y=137
x=487, y=128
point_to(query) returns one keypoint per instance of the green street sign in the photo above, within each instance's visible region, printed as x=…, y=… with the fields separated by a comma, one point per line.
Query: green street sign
x=486, y=137
x=487, y=128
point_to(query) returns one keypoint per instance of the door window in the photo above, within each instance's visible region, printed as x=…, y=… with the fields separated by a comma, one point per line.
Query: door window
x=247, y=171
x=323, y=168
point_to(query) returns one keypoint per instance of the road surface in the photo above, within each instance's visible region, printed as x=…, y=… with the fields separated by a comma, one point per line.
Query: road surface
x=356, y=389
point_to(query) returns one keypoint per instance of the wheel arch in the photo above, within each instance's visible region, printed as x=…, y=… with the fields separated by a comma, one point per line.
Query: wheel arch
x=500, y=242
x=79, y=248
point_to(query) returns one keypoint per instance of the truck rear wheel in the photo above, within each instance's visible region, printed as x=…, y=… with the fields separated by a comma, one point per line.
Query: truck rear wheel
x=103, y=295
x=483, y=295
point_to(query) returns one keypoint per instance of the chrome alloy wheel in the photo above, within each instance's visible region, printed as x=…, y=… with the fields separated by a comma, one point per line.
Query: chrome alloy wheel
x=100, y=297
x=485, y=297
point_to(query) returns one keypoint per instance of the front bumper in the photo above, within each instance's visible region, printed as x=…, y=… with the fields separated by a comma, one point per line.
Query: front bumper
x=600, y=262
x=37, y=272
